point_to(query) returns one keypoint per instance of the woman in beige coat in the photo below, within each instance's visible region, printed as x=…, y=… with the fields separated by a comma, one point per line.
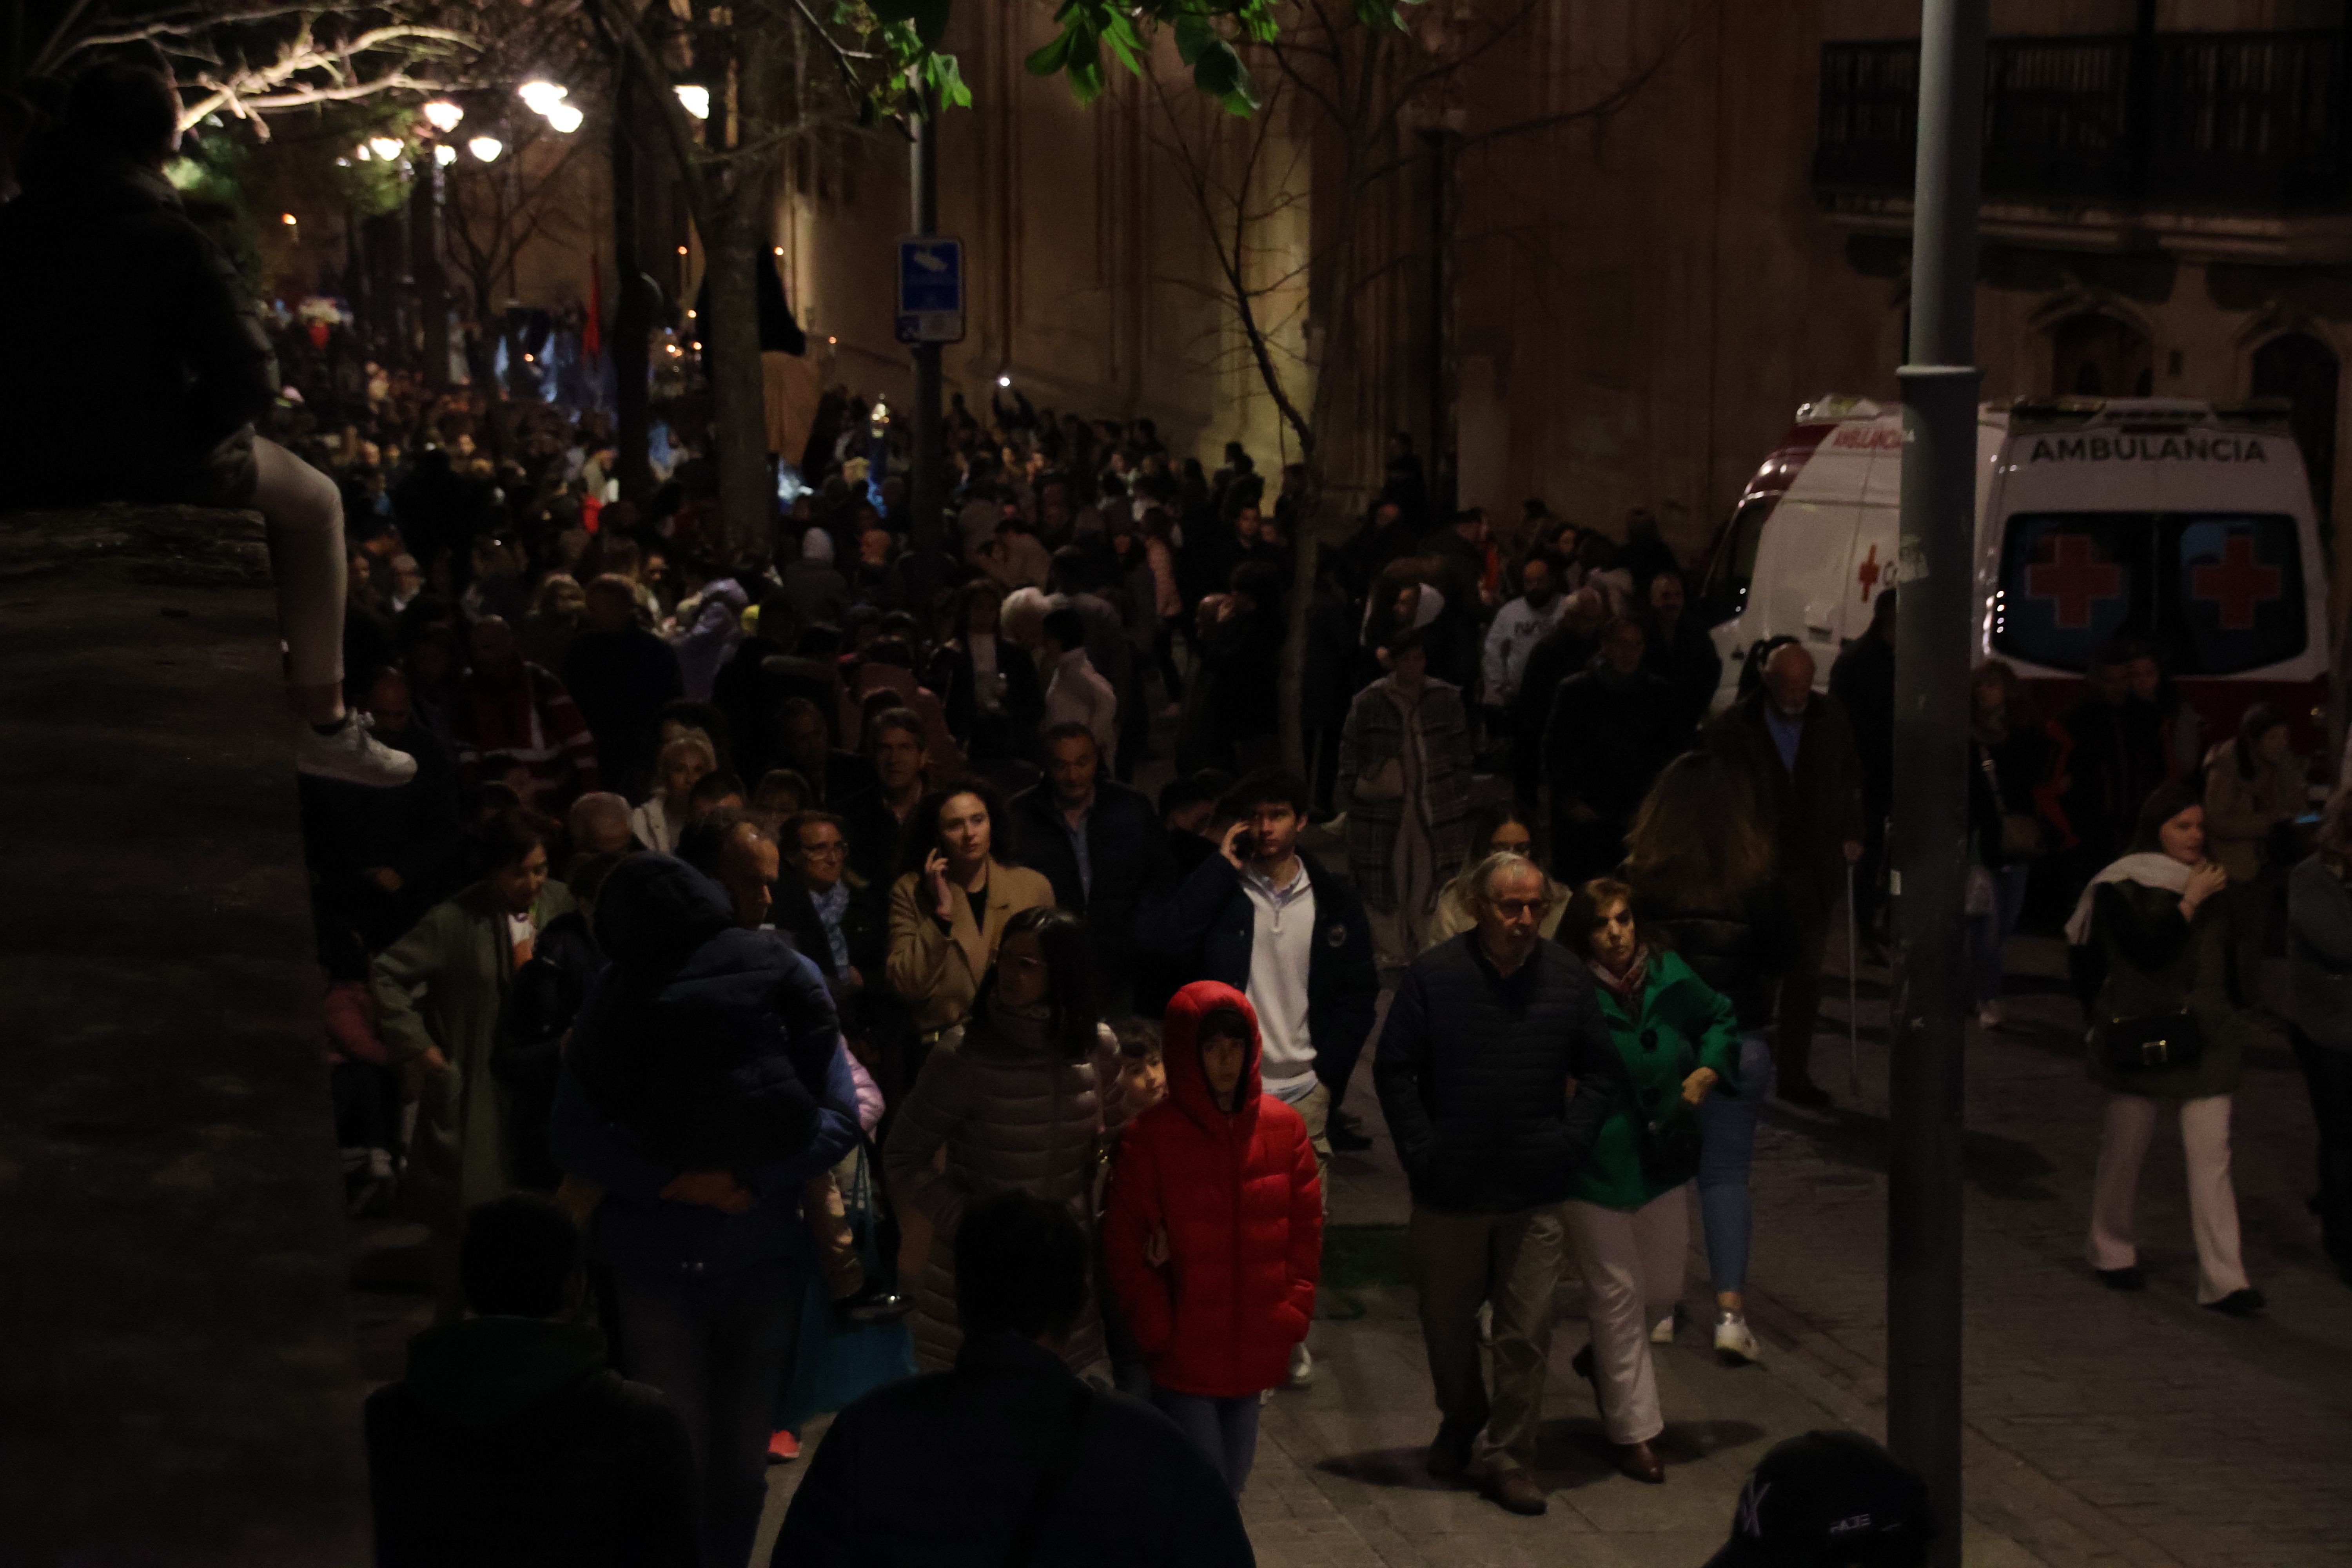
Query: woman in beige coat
x=948, y=915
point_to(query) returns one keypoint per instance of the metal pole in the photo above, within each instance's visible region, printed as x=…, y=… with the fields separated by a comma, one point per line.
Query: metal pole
x=927, y=496
x=1930, y=839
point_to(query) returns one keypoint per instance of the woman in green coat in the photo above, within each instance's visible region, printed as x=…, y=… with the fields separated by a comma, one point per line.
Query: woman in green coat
x=1628, y=1209
x=2157, y=921
x=441, y=990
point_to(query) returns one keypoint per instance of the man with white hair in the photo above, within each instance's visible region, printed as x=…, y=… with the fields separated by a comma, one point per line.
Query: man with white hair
x=1485, y=1029
x=1796, y=750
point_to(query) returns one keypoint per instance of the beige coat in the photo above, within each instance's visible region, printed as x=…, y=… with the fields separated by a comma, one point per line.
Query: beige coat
x=937, y=973
x=2240, y=812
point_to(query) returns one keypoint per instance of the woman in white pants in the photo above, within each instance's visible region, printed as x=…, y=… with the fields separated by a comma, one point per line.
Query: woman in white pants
x=1628, y=1210
x=2163, y=1032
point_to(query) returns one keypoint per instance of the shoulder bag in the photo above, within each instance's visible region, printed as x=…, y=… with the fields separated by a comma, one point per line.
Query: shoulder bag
x=2154, y=1041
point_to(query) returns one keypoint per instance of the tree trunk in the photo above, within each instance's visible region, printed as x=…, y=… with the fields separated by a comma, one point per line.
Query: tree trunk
x=432, y=281
x=731, y=344
x=633, y=316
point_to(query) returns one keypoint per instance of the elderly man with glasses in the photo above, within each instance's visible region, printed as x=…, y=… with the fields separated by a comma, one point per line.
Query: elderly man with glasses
x=1495, y=1072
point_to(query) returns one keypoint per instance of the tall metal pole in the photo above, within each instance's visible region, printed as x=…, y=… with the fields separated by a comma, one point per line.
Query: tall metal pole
x=1929, y=845
x=927, y=497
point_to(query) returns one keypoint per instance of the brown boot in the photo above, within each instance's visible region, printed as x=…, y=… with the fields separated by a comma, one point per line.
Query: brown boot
x=1641, y=1462
x=1517, y=1490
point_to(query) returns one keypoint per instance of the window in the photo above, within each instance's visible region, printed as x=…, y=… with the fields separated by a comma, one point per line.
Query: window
x=2214, y=594
x=1734, y=566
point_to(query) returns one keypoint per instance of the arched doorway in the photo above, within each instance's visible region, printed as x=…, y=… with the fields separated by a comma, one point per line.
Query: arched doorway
x=2300, y=368
x=2099, y=356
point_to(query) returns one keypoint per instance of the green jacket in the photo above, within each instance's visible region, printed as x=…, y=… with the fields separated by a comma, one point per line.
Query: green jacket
x=445, y=983
x=2157, y=963
x=1682, y=1027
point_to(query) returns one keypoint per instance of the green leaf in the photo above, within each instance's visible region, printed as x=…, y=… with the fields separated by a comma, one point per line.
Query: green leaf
x=946, y=79
x=1084, y=67
x=1218, y=69
x=1051, y=57
x=1193, y=33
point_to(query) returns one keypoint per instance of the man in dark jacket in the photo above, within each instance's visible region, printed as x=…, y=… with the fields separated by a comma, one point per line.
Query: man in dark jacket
x=1609, y=734
x=1010, y=1457
x=1681, y=654
x=1487, y=1031
x=1794, y=747
x=1100, y=845
x=510, y=1442
x=622, y=676
x=1862, y=679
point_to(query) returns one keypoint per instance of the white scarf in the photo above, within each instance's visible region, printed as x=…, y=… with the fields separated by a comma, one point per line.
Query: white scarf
x=2147, y=868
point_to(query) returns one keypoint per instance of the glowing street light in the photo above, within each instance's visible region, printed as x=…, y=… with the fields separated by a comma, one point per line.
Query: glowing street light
x=1004, y=381
x=287, y=219
x=696, y=99
x=364, y=155
x=486, y=148
x=542, y=94
x=384, y=147
x=445, y=154
x=564, y=118
x=443, y=115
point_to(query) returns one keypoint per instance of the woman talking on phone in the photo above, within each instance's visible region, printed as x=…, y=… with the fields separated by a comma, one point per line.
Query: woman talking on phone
x=2163, y=1031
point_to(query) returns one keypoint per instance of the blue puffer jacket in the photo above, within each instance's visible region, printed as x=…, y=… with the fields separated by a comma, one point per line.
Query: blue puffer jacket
x=710, y=1043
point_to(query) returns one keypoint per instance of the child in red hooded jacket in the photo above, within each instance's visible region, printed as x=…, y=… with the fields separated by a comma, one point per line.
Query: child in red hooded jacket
x=1214, y=1233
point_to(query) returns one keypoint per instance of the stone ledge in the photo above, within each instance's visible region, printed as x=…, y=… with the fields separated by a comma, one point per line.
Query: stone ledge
x=170, y=546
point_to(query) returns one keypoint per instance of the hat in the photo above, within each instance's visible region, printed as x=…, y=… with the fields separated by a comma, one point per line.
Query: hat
x=1828, y=1500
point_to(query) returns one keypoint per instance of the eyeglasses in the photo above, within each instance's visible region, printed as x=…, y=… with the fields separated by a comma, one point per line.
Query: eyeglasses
x=833, y=851
x=1511, y=907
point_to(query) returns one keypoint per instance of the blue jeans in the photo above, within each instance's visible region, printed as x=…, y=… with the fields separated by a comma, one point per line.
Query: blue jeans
x=719, y=1347
x=1989, y=933
x=1726, y=1125
x=1225, y=1430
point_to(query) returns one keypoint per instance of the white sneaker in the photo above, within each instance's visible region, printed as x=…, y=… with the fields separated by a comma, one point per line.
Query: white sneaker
x=1662, y=1332
x=1485, y=1322
x=1734, y=1340
x=351, y=755
x=1988, y=1014
x=1302, y=1367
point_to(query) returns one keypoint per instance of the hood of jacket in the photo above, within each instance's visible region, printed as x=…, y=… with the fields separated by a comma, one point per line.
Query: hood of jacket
x=656, y=912
x=1180, y=1052
x=485, y=1371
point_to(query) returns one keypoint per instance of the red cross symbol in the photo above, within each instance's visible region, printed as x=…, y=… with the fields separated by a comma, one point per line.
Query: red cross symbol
x=2237, y=584
x=2076, y=578
x=1868, y=573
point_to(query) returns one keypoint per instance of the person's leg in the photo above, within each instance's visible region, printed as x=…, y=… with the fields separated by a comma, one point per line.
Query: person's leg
x=665, y=1342
x=1202, y=1422
x=2123, y=1145
x=1449, y=1260
x=753, y=1332
x=1984, y=956
x=1602, y=1242
x=2212, y=1200
x=1801, y=1006
x=1237, y=1421
x=1727, y=1157
x=1527, y=1248
x=1662, y=1231
x=2327, y=1076
x=305, y=514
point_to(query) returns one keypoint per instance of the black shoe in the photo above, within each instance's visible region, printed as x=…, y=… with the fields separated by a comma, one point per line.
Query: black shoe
x=2124, y=1278
x=2245, y=1303
x=1449, y=1452
x=1345, y=1136
x=874, y=1302
x=1582, y=1367
x=1806, y=1093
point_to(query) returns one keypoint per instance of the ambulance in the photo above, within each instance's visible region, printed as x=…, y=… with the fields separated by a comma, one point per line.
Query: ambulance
x=2185, y=525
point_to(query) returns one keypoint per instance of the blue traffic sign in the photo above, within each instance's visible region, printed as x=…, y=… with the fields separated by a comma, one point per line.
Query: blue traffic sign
x=930, y=289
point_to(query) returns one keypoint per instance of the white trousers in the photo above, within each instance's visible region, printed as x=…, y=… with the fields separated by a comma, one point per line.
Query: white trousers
x=305, y=513
x=1630, y=1260
x=2212, y=1202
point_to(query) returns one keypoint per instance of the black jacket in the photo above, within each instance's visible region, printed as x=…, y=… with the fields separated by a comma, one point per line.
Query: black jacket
x=621, y=681
x=1742, y=953
x=1687, y=662
x=1474, y=1069
x=1863, y=679
x=1608, y=737
x=1128, y=852
x=940, y=1471
x=865, y=929
x=510, y=1445
x=136, y=362
x=545, y=997
x=1208, y=918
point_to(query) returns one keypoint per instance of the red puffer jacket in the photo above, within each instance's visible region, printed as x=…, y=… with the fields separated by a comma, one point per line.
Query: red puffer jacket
x=1237, y=1194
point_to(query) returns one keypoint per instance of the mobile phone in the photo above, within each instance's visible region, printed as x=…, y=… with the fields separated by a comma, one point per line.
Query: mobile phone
x=1245, y=845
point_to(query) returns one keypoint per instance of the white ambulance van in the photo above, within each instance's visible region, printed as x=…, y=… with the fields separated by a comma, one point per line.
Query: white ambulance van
x=2186, y=526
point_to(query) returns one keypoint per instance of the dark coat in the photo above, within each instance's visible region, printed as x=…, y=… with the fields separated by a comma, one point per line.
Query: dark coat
x=621, y=681
x=1607, y=739
x=940, y=1471
x=1557, y=655
x=510, y=1445
x=137, y=360
x=1209, y=915
x=1127, y=851
x=1689, y=663
x=2159, y=964
x=865, y=930
x=2112, y=754
x=1740, y=952
x=1474, y=1071
x=1862, y=679
x=543, y=999
x=1234, y=698
x=1810, y=814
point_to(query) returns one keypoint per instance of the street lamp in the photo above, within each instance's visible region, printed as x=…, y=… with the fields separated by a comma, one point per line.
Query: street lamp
x=443, y=115
x=695, y=98
x=445, y=154
x=486, y=148
x=564, y=118
x=542, y=94
x=384, y=147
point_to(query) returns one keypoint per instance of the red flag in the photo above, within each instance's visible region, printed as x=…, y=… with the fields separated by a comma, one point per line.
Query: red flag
x=592, y=335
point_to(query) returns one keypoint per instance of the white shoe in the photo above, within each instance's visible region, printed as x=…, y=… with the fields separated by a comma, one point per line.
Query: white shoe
x=1662, y=1332
x=1485, y=1322
x=1988, y=1014
x=351, y=755
x=1734, y=1340
x=1302, y=1367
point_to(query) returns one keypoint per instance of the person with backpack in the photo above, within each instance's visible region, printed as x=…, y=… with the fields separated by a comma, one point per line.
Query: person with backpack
x=705, y=1086
x=1213, y=1242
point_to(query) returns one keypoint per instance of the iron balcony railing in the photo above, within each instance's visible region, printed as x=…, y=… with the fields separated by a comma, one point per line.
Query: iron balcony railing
x=2241, y=121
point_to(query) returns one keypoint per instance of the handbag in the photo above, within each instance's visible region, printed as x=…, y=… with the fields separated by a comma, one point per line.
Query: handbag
x=2020, y=831
x=1668, y=1144
x=2156, y=1041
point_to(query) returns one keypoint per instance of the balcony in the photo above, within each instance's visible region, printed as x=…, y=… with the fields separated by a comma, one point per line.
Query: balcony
x=2234, y=143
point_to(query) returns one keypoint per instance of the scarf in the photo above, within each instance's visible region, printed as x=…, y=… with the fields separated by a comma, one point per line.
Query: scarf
x=1626, y=987
x=2148, y=868
x=1028, y=1030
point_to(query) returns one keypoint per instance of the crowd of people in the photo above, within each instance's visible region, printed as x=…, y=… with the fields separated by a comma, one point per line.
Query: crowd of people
x=764, y=951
